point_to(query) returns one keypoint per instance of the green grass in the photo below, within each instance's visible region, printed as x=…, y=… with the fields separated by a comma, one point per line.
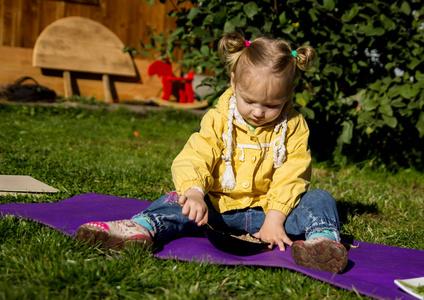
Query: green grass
x=95, y=151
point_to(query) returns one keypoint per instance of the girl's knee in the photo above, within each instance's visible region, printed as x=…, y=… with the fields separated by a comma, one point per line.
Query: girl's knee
x=321, y=196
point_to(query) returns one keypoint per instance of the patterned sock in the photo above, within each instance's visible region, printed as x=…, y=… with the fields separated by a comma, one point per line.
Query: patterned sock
x=323, y=233
x=143, y=221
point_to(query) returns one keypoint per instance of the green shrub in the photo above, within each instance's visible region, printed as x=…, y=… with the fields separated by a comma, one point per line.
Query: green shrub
x=365, y=96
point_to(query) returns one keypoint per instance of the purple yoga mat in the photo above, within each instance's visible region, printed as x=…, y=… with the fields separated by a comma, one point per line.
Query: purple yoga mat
x=371, y=270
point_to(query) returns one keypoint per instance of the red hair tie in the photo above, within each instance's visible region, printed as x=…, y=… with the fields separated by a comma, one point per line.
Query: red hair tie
x=246, y=43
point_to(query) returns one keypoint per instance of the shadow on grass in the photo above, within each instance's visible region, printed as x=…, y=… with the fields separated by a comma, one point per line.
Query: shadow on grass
x=346, y=208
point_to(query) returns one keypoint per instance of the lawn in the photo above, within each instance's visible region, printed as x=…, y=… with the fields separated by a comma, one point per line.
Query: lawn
x=80, y=151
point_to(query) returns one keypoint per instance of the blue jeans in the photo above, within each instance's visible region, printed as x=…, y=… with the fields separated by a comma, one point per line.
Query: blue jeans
x=315, y=212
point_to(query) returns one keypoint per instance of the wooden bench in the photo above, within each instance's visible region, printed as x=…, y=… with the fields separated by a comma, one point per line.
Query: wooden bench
x=77, y=44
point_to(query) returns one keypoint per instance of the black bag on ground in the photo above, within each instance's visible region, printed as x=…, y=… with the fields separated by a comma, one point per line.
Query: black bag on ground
x=28, y=92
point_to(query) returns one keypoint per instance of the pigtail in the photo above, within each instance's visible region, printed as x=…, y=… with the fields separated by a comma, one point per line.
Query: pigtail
x=230, y=48
x=305, y=57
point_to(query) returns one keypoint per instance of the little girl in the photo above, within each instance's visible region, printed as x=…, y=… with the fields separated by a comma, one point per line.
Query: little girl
x=248, y=168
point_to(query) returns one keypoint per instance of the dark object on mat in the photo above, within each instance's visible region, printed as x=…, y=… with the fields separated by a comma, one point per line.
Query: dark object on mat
x=28, y=92
x=233, y=242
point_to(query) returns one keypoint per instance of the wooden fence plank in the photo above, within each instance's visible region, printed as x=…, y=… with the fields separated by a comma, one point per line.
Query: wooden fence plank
x=6, y=22
x=21, y=21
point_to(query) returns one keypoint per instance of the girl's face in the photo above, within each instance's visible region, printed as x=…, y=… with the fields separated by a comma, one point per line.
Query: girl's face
x=260, y=96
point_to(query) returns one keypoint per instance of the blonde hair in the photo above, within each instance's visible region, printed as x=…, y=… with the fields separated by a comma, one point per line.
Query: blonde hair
x=273, y=54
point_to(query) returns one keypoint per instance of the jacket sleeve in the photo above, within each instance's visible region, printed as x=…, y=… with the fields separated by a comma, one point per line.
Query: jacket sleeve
x=292, y=179
x=194, y=165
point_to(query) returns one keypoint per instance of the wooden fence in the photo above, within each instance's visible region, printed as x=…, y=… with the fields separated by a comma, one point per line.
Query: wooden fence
x=21, y=21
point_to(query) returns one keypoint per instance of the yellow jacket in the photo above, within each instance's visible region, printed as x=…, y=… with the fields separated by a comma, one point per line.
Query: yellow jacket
x=258, y=181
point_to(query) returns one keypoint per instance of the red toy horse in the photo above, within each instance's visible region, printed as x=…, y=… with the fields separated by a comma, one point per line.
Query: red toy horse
x=182, y=84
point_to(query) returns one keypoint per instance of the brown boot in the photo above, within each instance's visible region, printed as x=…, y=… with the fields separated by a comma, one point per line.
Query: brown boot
x=321, y=254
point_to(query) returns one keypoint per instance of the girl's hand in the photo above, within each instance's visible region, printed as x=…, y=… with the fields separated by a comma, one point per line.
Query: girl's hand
x=272, y=231
x=194, y=206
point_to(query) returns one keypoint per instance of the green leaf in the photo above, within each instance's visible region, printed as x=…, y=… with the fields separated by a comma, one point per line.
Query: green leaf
x=365, y=117
x=199, y=32
x=333, y=69
x=362, y=64
x=220, y=17
x=267, y=26
x=369, y=130
x=420, y=124
x=390, y=121
x=229, y=27
x=193, y=13
x=419, y=76
x=177, y=31
x=417, y=50
x=208, y=38
x=408, y=92
x=390, y=65
x=204, y=50
x=386, y=109
x=405, y=8
x=375, y=85
x=349, y=15
x=329, y=5
x=288, y=29
x=405, y=112
x=236, y=7
x=239, y=20
x=414, y=63
x=369, y=105
x=282, y=18
x=307, y=112
x=208, y=20
x=312, y=14
x=300, y=34
x=354, y=66
x=413, y=105
x=397, y=103
x=387, y=22
x=144, y=52
x=347, y=133
x=383, y=99
x=301, y=99
x=251, y=9
x=374, y=7
x=369, y=30
x=254, y=31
